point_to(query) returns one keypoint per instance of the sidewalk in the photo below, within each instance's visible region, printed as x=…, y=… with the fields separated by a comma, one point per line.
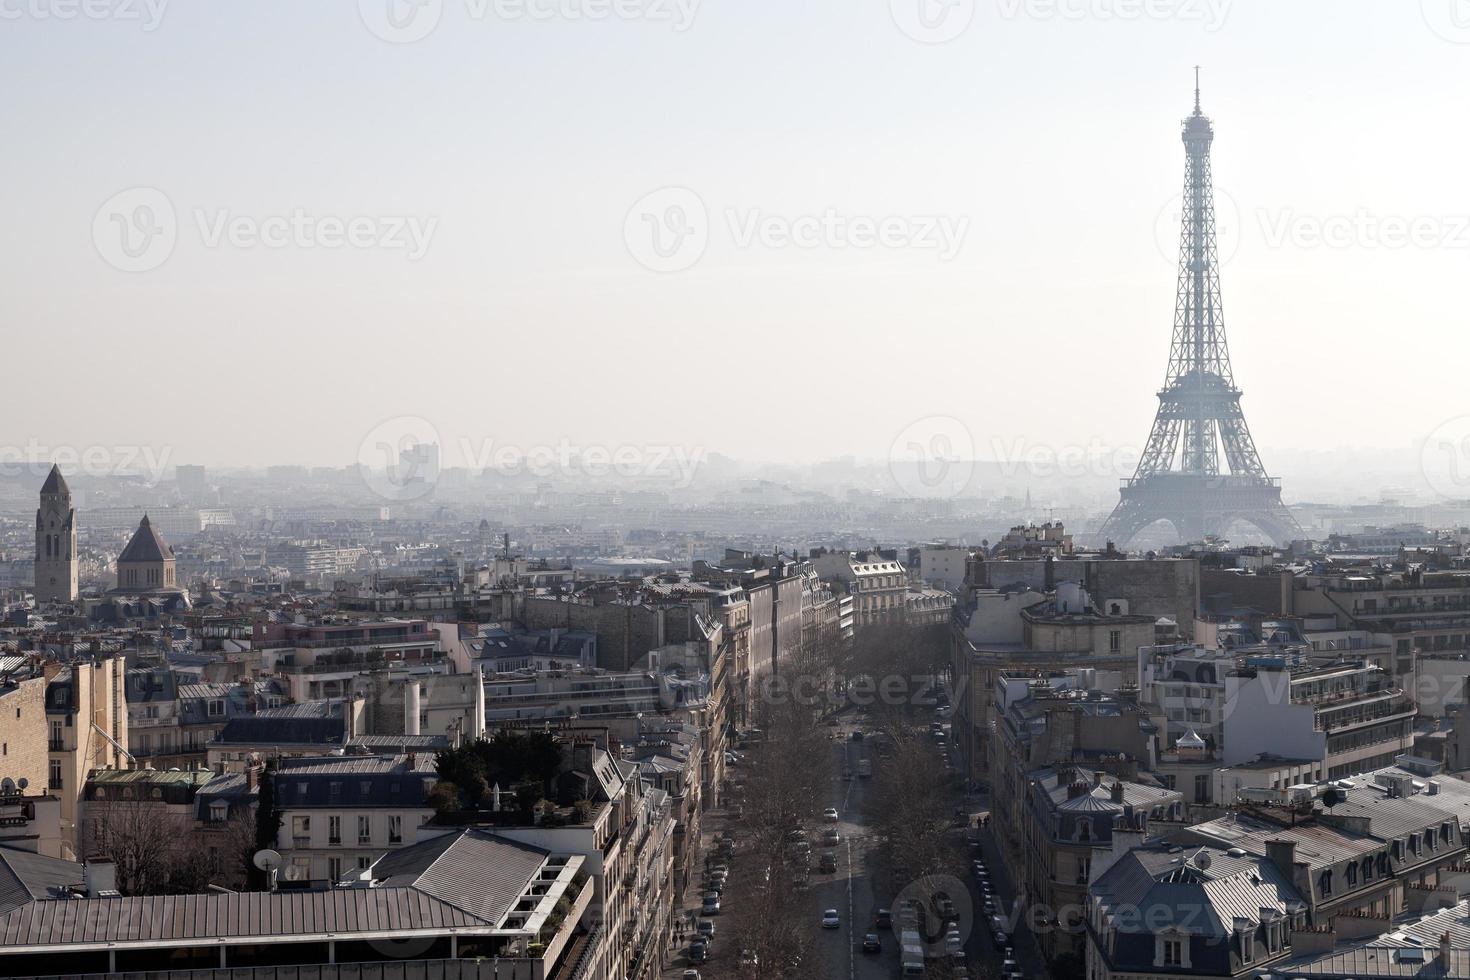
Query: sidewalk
x=686, y=908
x=1028, y=953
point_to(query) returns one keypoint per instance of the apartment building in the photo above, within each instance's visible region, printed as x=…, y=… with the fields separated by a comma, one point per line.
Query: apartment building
x=341, y=814
x=87, y=720
x=1280, y=703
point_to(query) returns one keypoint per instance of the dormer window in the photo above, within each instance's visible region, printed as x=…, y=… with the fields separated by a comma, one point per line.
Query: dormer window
x=216, y=708
x=1247, y=946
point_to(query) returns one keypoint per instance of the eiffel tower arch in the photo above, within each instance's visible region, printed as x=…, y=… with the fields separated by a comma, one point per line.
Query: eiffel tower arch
x=1200, y=471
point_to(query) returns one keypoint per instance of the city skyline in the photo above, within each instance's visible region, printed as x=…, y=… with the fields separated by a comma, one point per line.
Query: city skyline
x=260, y=279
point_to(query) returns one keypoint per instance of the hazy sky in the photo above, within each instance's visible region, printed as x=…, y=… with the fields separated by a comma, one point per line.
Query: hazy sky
x=489, y=172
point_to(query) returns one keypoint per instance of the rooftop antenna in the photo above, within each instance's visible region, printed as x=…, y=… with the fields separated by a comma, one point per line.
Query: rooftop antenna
x=1196, y=90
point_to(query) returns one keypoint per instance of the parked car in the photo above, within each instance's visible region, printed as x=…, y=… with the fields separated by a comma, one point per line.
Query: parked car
x=706, y=929
x=711, y=904
x=831, y=838
x=830, y=814
x=954, y=946
x=698, y=952
x=691, y=975
x=831, y=920
x=883, y=919
x=872, y=944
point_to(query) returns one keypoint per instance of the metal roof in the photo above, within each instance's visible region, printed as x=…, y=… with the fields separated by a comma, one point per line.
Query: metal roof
x=473, y=870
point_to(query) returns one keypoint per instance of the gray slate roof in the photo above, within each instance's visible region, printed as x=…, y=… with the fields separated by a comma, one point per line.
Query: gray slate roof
x=147, y=545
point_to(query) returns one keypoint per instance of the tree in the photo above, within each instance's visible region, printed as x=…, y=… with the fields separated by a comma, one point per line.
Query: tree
x=268, y=821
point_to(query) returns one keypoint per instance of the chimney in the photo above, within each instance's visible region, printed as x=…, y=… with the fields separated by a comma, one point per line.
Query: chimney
x=1097, y=777
x=1117, y=792
x=1444, y=953
x=99, y=875
x=252, y=777
x=1282, y=853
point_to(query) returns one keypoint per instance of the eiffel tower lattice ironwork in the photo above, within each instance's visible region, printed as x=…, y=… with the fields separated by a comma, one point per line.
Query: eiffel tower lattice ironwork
x=1180, y=478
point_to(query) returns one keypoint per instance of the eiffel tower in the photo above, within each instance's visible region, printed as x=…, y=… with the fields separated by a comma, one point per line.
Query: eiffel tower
x=1180, y=478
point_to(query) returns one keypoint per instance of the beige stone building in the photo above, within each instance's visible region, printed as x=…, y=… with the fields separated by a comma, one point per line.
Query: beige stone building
x=87, y=722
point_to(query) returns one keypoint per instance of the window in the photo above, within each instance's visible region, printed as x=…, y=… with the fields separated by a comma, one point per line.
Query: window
x=334, y=868
x=299, y=869
x=1324, y=883
x=1115, y=640
x=301, y=830
x=216, y=708
x=1173, y=955
x=395, y=829
x=1247, y=947
x=55, y=781
x=334, y=832
x=1202, y=788
x=364, y=829
x=364, y=862
x=1367, y=870
x=1352, y=875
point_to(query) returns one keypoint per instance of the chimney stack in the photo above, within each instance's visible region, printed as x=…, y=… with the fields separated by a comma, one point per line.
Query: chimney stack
x=1117, y=792
x=1282, y=853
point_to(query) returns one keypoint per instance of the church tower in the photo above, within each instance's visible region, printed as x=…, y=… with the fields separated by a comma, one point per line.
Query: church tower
x=56, y=542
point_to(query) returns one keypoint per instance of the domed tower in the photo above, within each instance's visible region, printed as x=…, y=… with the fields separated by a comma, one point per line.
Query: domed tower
x=56, y=542
x=147, y=563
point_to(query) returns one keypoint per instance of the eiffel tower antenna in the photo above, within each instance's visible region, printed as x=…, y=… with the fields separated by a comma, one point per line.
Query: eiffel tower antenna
x=1182, y=478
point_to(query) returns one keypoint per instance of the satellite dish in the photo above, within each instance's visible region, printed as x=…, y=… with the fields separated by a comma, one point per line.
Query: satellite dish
x=1332, y=797
x=23, y=783
x=267, y=860
x=1202, y=860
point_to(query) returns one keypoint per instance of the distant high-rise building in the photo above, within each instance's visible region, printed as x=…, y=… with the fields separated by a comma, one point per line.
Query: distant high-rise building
x=191, y=480
x=56, y=542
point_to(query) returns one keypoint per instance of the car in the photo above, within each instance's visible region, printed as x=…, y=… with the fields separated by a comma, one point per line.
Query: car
x=711, y=904
x=883, y=919
x=748, y=959
x=831, y=920
x=699, y=951
x=706, y=930
x=945, y=907
x=872, y=944
x=829, y=863
x=954, y=946
x=1001, y=940
x=830, y=814
x=857, y=735
x=831, y=838
x=690, y=975
x=715, y=886
x=1008, y=966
